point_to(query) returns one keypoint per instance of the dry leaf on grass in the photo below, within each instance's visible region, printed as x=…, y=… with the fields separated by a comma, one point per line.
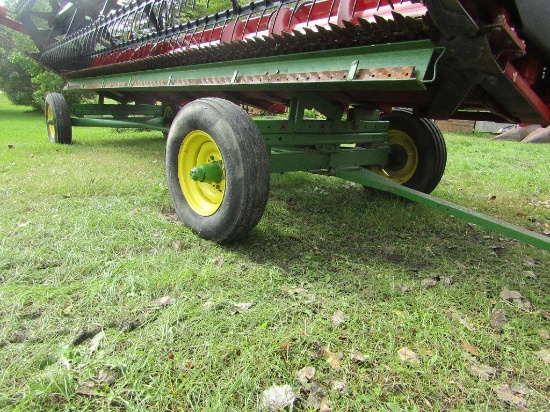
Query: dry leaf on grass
x=498, y=319
x=86, y=334
x=447, y=280
x=243, y=307
x=522, y=390
x=294, y=291
x=357, y=357
x=529, y=262
x=306, y=374
x=464, y=321
x=340, y=386
x=338, y=318
x=524, y=304
x=404, y=288
x=186, y=365
x=459, y=385
x=506, y=394
x=407, y=355
x=482, y=371
x=217, y=260
x=510, y=294
x=470, y=348
x=317, y=396
x=278, y=397
x=517, y=298
x=300, y=292
x=106, y=376
x=544, y=355
x=544, y=334
x=332, y=359
x=315, y=402
x=428, y=283
x=94, y=342
x=164, y=301
x=325, y=408
x=530, y=274
x=177, y=245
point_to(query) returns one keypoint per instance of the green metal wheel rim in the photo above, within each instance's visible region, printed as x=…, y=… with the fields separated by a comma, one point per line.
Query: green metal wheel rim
x=402, y=160
x=50, y=121
x=199, y=149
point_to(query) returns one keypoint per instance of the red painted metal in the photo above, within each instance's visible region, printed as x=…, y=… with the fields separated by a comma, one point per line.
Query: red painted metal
x=526, y=90
x=12, y=24
x=282, y=20
x=487, y=46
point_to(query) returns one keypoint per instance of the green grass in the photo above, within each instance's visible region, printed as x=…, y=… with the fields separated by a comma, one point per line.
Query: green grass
x=88, y=243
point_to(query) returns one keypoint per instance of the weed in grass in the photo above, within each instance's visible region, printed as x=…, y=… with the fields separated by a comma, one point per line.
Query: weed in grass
x=108, y=303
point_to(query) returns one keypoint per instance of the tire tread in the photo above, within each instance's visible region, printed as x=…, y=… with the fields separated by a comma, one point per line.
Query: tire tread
x=247, y=147
x=62, y=118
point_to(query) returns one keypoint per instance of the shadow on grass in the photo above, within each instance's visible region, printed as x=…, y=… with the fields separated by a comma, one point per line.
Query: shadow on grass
x=337, y=228
x=13, y=112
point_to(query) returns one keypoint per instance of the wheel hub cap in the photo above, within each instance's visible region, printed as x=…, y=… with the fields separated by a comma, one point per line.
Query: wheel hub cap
x=402, y=160
x=201, y=173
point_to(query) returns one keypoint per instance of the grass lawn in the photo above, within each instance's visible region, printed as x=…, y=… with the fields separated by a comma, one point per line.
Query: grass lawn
x=356, y=301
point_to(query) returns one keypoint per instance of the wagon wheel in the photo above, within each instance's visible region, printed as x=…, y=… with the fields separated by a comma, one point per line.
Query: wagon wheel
x=217, y=169
x=417, y=155
x=58, y=119
x=168, y=113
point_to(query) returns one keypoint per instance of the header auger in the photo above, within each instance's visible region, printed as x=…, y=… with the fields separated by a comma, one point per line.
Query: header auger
x=377, y=70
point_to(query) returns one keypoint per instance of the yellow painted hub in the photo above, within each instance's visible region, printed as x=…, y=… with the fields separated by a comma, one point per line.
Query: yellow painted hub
x=197, y=149
x=402, y=160
x=50, y=121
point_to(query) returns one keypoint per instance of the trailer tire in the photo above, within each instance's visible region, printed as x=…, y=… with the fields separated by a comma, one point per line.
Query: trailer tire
x=418, y=154
x=213, y=130
x=168, y=113
x=58, y=119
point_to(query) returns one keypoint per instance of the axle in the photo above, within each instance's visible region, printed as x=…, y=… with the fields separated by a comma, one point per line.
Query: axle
x=208, y=172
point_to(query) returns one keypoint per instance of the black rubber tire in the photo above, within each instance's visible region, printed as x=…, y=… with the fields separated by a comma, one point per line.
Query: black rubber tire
x=58, y=119
x=246, y=168
x=430, y=146
x=168, y=114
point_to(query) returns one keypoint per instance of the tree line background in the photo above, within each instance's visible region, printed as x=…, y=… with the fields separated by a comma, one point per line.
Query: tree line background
x=22, y=79
x=26, y=83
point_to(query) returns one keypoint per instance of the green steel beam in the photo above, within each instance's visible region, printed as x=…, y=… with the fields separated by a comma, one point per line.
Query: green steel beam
x=299, y=144
x=313, y=139
x=282, y=160
x=321, y=126
x=117, y=110
x=368, y=178
x=400, y=66
x=315, y=132
x=363, y=126
x=149, y=124
x=309, y=99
